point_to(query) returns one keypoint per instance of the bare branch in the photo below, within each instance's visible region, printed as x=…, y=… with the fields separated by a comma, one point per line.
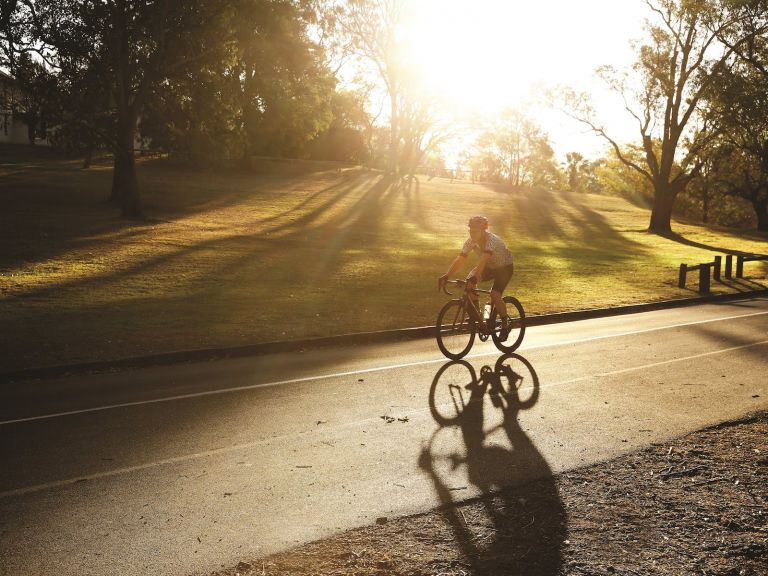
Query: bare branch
x=616, y=148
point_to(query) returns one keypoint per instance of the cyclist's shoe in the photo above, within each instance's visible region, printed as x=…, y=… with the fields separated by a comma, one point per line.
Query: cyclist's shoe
x=482, y=328
x=506, y=328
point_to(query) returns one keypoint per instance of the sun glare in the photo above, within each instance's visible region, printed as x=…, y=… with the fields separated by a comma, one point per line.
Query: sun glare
x=486, y=55
x=492, y=51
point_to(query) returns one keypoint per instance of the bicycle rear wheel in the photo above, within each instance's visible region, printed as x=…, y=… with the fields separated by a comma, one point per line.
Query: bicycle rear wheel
x=517, y=326
x=454, y=387
x=455, y=333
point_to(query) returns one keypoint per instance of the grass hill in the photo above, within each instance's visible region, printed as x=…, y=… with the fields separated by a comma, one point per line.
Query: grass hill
x=292, y=250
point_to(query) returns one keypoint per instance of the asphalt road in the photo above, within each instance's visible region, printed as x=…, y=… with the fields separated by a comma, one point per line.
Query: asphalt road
x=185, y=469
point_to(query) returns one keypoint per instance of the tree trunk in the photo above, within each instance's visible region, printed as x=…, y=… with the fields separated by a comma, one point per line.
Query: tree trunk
x=661, y=212
x=247, y=107
x=761, y=210
x=394, y=136
x=118, y=170
x=125, y=189
x=124, y=186
x=88, y=159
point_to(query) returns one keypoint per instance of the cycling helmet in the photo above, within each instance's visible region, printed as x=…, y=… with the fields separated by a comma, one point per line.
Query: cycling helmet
x=480, y=222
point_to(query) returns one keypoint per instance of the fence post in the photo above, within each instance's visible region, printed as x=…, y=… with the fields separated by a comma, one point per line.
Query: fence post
x=683, y=270
x=704, y=279
x=739, y=266
x=729, y=266
x=716, y=270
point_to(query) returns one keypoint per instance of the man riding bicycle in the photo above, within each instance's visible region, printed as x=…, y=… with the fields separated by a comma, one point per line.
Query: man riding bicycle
x=495, y=264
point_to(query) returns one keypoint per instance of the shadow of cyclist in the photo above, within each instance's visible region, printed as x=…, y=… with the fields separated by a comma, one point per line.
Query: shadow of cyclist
x=520, y=523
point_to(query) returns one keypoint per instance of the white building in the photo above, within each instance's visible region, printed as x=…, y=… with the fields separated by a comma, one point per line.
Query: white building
x=13, y=128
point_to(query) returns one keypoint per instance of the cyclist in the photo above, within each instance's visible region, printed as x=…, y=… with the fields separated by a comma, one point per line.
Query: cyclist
x=495, y=264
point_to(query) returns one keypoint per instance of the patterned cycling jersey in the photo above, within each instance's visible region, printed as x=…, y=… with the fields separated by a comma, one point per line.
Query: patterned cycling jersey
x=500, y=254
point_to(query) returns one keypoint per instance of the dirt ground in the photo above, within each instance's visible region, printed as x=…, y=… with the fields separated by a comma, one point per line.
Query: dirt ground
x=694, y=505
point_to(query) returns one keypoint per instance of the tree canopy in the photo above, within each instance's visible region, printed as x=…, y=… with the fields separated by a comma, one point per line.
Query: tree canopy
x=663, y=92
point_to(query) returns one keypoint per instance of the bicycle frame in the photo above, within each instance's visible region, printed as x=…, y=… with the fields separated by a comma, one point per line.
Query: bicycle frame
x=460, y=320
x=468, y=304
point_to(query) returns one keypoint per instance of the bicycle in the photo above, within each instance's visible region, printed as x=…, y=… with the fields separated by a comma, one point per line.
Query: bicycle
x=460, y=320
x=456, y=386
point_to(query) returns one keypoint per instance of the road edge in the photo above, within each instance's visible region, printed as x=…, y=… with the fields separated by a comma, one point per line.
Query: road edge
x=402, y=334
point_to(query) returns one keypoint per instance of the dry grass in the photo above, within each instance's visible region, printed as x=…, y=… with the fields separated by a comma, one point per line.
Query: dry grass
x=282, y=253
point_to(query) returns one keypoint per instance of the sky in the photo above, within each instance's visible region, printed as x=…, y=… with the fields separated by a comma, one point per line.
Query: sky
x=489, y=54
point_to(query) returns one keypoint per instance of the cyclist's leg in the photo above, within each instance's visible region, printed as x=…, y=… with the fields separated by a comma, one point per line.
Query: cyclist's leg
x=501, y=278
x=474, y=300
x=498, y=302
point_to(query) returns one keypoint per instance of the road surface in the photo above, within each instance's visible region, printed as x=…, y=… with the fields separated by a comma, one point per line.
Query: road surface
x=184, y=469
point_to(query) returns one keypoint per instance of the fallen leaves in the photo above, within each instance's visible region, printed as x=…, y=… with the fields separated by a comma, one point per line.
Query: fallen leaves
x=389, y=419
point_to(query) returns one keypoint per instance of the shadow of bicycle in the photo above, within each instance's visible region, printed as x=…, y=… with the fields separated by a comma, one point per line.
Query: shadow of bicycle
x=518, y=525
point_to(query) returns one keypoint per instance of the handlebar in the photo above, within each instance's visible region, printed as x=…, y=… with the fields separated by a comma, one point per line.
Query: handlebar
x=445, y=290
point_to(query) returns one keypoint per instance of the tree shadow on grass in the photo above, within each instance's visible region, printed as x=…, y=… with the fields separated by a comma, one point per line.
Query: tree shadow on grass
x=543, y=215
x=367, y=205
x=337, y=190
x=51, y=220
x=301, y=260
x=680, y=239
x=594, y=225
x=531, y=211
x=52, y=207
x=414, y=207
x=365, y=210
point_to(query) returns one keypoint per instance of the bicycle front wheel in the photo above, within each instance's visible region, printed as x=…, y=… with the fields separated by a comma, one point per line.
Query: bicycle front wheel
x=516, y=323
x=455, y=332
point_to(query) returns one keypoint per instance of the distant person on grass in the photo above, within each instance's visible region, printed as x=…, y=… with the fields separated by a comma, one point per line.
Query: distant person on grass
x=495, y=264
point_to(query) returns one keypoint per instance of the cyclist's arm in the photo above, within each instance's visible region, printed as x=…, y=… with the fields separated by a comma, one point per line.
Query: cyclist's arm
x=456, y=265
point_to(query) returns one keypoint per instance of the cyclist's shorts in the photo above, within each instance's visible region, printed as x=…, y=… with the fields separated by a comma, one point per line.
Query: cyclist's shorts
x=500, y=277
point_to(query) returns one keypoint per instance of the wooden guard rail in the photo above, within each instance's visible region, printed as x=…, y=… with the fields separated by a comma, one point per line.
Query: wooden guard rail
x=715, y=266
x=741, y=258
x=703, y=273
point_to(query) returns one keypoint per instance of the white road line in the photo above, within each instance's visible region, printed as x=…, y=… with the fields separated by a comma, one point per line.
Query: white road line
x=362, y=371
x=128, y=469
x=656, y=364
x=226, y=449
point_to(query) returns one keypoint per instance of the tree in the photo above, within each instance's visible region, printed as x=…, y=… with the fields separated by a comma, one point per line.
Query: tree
x=674, y=68
x=198, y=115
x=73, y=98
x=619, y=179
x=285, y=87
x=17, y=39
x=738, y=105
x=371, y=29
x=345, y=138
x=515, y=149
x=422, y=126
x=752, y=16
x=702, y=192
x=268, y=91
x=580, y=173
x=18, y=45
x=140, y=44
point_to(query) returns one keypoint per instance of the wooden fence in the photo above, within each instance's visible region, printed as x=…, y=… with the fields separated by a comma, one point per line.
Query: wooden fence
x=741, y=258
x=716, y=268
